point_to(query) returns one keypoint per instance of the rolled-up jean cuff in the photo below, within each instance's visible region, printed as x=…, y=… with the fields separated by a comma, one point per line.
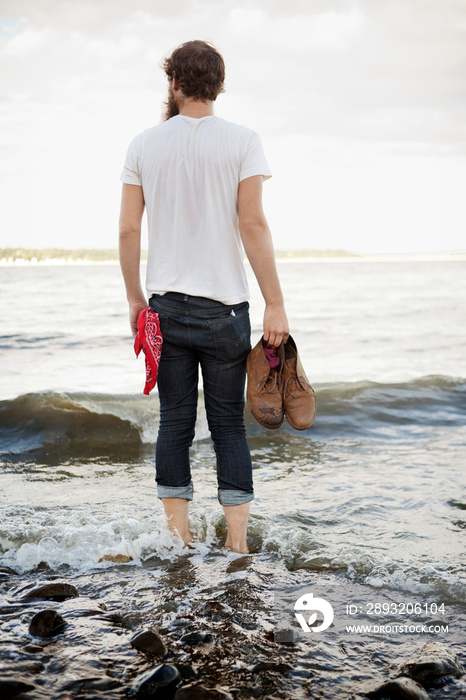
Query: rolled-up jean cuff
x=234, y=497
x=175, y=491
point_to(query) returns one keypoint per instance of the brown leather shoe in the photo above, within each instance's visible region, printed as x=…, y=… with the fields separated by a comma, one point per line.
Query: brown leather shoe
x=264, y=392
x=299, y=399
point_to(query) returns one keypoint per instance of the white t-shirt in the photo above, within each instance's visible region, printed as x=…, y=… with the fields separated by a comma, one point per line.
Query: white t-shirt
x=190, y=170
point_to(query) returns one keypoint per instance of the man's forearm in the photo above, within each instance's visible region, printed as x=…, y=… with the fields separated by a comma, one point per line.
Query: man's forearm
x=130, y=257
x=257, y=242
x=258, y=245
x=132, y=209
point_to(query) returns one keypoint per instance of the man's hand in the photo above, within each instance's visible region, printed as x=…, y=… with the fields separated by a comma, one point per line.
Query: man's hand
x=276, y=327
x=135, y=308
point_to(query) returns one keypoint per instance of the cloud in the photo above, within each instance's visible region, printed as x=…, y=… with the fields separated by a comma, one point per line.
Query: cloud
x=357, y=83
x=386, y=71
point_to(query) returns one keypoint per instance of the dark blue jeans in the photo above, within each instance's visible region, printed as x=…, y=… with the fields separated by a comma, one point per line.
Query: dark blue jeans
x=199, y=332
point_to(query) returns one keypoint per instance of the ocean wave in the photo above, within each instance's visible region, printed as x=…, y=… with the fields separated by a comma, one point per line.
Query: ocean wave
x=104, y=424
x=20, y=341
x=77, y=424
x=76, y=538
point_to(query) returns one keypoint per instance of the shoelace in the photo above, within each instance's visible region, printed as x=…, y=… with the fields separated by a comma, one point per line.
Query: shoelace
x=269, y=383
x=296, y=383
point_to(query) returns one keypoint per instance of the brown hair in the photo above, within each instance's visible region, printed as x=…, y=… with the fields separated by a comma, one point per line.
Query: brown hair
x=199, y=69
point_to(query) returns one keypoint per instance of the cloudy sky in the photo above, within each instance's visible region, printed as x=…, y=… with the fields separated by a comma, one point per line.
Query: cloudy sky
x=361, y=105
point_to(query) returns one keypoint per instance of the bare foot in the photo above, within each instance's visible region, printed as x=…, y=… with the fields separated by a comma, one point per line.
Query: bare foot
x=236, y=551
x=187, y=537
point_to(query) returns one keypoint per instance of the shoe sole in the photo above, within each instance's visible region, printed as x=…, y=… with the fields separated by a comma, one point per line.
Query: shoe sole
x=266, y=425
x=296, y=427
x=305, y=427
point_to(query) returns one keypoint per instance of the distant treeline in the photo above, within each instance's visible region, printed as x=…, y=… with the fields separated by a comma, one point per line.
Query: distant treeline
x=111, y=254
x=43, y=254
x=308, y=253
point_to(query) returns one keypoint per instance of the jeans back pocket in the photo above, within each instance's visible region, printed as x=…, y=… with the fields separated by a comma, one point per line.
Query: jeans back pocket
x=231, y=336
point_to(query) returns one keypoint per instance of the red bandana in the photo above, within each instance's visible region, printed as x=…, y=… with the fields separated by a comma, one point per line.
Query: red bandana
x=149, y=338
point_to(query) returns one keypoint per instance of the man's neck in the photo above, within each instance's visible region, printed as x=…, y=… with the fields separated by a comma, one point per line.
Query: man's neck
x=196, y=109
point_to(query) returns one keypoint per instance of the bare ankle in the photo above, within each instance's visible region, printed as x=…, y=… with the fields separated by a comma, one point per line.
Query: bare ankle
x=237, y=524
x=240, y=550
x=185, y=536
x=176, y=510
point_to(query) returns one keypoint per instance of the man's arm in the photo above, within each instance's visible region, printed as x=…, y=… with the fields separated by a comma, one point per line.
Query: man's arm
x=257, y=242
x=132, y=209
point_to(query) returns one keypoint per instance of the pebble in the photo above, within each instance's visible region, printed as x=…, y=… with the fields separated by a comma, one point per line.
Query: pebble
x=200, y=692
x=149, y=642
x=98, y=685
x=271, y=666
x=33, y=649
x=193, y=638
x=11, y=687
x=46, y=623
x=187, y=672
x=432, y=663
x=116, y=558
x=157, y=682
x=82, y=607
x=56, y=591
x=239, y=564
x=400, y=689
x=284, y=636
x=215, y=606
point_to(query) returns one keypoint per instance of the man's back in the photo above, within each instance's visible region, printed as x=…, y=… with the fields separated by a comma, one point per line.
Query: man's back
x=190, y=169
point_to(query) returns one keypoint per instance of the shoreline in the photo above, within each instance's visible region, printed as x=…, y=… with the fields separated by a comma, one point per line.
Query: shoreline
x=455, y=256
x=224, y=638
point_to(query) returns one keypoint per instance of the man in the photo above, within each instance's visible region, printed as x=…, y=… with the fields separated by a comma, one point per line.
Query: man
x=200, y=178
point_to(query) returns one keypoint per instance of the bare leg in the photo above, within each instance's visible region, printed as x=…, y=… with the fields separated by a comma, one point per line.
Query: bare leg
x=237, y=524
x=176, y=510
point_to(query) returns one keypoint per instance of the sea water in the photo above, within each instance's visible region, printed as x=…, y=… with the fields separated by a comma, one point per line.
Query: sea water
x=365, y=509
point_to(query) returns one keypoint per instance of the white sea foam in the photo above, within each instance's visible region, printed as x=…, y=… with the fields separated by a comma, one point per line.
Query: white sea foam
x=79, y=540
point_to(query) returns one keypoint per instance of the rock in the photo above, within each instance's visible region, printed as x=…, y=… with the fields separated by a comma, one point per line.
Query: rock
x=33, y=649
x=271, y=666
x=149, y=642
x=6, y=571
x=94, y=685
x=56, y=591
x=47, y=623
x=82, y=607
x=239, y=564
x=426, y=669
x=116, y=558
x=124, y=621
x=193, y=638
x=284, y=636
x=11, y=687
x=212, y=607
x=187, y=672
x=159, y=682
x=400, y=689
x=200, y=692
